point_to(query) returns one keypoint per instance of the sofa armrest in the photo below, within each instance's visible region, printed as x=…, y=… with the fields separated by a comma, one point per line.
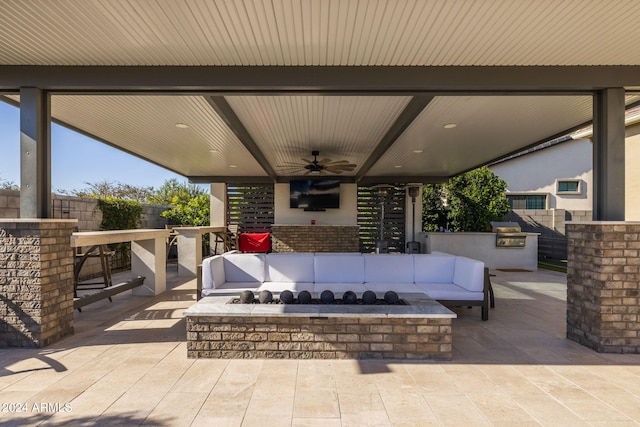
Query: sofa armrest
x=213, y=272
x=469, y=274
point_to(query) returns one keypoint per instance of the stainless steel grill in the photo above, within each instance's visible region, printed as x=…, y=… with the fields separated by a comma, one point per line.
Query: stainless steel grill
x=509, y=235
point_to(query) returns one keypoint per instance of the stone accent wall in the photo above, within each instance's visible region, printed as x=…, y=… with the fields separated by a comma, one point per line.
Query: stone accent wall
x=318, y=338
x=315, y=238
x=603, y=286
x=36, y=282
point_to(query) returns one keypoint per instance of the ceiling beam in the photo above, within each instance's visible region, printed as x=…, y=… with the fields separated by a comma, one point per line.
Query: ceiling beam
x=367, y=180
x=408, y=115
x=318, y=79
x=231, y=179
x=231, y=119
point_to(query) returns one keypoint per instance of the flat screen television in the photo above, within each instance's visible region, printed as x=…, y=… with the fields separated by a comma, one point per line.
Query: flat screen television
x=314, y=194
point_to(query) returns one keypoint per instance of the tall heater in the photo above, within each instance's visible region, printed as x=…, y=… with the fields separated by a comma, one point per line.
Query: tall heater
x=413, y=247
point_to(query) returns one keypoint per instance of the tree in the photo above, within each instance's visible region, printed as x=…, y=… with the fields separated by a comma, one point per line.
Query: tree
x=476, y=198
x=473, y=200
x=174, y=191
x=190, y=203
x=434, y=211
x=8, y=185
x=115, y=190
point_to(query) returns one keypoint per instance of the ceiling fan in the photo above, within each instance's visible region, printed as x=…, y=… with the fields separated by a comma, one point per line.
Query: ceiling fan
x=324, y=166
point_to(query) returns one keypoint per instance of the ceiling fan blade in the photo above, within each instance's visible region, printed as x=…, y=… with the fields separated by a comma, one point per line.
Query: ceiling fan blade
x=334, y=170
x=342, y=167
x=337, y=162
x=306, y=160
x=324, y=161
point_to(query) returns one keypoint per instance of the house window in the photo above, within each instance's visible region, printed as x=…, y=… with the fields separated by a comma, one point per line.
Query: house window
x=568, y=186
x=527, y=201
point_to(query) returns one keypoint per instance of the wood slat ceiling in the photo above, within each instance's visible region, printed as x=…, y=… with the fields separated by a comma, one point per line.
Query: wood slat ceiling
x=331, y=32
x=319, y=33
x=288, y=128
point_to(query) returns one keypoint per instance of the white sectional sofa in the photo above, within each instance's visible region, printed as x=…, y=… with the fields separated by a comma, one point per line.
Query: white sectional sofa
x=451, y=280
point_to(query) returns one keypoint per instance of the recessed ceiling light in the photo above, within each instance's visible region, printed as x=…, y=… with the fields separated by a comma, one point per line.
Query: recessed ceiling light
x=418, y=151
x=182, y=125
x=233, y=166
x=450, y=125
x=397, y=166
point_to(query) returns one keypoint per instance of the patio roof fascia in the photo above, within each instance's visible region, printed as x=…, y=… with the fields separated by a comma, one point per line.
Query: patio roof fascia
x=337, y=80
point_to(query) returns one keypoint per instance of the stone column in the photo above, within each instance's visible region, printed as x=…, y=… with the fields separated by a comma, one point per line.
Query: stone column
x=603, y=285
x=36, y=281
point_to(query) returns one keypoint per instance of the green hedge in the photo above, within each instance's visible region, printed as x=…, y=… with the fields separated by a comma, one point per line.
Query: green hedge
x=119, y=214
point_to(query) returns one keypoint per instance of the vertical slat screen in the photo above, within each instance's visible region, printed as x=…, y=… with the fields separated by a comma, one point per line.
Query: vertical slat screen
x=369, y=212
x=250, y=206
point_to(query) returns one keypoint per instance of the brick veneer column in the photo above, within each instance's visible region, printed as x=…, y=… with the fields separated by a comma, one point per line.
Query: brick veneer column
x=603, y=285
x=36, y=281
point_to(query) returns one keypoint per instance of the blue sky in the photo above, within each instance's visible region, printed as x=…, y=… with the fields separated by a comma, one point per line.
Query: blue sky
x=76, y=159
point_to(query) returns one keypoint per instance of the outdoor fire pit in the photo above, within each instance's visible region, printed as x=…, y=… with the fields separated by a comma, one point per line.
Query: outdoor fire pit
x=407, y=326
x=326, y=297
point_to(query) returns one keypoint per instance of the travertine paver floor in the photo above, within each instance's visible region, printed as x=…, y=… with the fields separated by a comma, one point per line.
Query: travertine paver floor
x=127, y=365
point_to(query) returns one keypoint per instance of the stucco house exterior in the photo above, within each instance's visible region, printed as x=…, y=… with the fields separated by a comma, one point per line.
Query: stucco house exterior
x=553, y=183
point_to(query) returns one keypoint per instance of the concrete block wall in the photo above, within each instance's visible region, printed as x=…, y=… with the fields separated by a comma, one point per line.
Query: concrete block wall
x=547, y=222
x=87, y=214
x=603, y=286
x=36, y=282
x=86, y=211
x=315, y=238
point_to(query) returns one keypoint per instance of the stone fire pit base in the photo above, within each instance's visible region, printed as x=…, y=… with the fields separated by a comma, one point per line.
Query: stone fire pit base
x=421, y=330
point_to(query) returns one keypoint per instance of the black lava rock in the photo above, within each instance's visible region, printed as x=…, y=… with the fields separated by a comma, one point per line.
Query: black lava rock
x=369, y=297
x=286, y=297
x=265, y=297
x=349, y=297
x=304, y=297
x=391, y=297
x=327, y=297
x=246, y=297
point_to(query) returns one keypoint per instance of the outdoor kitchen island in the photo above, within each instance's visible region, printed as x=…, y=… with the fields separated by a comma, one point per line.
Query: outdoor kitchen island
x=421, y=329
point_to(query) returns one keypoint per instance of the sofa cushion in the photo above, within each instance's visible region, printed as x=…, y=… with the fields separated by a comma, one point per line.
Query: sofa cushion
x=231, y=288
x=244, y=267
x=339, y=288
x=449, y=291
x=289, y=267
x=469, y=273
x=339, y=269
x=212, y=272
x=381, y=287
x=388, y=268
x=433, y=268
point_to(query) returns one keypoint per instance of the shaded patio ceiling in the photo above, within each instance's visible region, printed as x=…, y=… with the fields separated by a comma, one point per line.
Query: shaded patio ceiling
x=261, y=84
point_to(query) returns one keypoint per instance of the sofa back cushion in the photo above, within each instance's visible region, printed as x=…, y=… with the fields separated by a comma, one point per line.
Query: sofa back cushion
x=290, y=267
x=469, y=274
x=339, y=269
x=244, y=267
x=388, y=268
x=433, y=268
x=213, y=272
